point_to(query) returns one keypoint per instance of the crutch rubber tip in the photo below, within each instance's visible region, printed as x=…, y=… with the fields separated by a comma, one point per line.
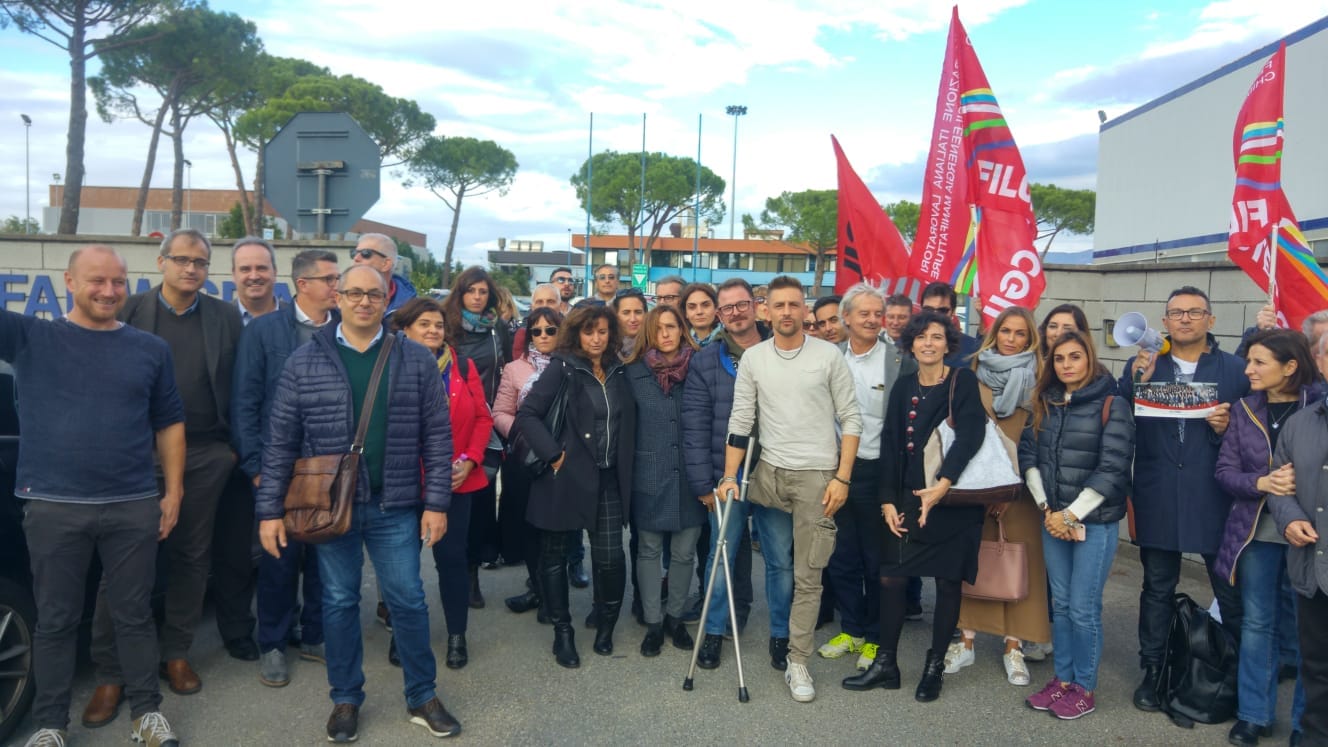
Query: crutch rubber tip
x=687, y=684
x=742, y=695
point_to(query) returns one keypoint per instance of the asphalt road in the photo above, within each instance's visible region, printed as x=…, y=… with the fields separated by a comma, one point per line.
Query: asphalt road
x=513, y=692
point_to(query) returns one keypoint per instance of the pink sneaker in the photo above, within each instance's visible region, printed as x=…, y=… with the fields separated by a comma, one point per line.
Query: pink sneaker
x=1073, y=704
x=1042, y=699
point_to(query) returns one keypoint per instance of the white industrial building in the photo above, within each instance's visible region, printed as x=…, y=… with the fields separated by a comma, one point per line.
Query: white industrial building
x=1165, y=173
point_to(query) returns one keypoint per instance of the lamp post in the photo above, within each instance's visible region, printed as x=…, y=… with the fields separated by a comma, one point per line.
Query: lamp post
x=735, y=112
x=188, y=192
x=27, y=173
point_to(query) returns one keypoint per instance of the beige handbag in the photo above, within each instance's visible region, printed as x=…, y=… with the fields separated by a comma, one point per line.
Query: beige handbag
x=1002, y=570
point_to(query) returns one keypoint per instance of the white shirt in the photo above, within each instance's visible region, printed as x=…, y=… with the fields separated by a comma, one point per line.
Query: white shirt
x=868, y=372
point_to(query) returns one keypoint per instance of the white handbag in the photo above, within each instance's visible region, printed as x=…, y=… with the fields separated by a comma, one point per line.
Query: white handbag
x=990, y=477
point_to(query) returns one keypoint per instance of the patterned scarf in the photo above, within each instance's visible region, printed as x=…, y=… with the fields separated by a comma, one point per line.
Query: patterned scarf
x=540, y=361
x=1011, y=378
x=668, y=373
x=444, y=363
x=472, y=322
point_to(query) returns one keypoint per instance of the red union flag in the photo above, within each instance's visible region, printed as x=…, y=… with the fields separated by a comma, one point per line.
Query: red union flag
x=976, y=227
x=869, y=248
x=1264, y=236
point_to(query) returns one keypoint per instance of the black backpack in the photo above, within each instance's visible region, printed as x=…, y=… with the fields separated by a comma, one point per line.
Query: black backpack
x=1198, y=681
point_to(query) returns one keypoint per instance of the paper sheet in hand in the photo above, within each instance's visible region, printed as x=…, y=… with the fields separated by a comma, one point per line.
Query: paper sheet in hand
x=1174, y=400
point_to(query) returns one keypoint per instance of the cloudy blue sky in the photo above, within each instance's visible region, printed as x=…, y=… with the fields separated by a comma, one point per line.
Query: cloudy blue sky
x=527, y=74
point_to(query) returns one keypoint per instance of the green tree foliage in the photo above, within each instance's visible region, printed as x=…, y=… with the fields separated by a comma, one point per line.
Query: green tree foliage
x=234, y=225
x=194, y=60
x=454, y=168
x=1058, y=209
x=670, y=190
x=84, y=29
x=515, y=279
x=426, y=273
x=810, y=220
x=15, y=224
x=905, y=216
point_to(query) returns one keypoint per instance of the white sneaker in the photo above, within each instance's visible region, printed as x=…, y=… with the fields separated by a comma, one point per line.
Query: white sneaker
x=153, y=730
x=799, y=681
x=46, y=738
x=1015, y=669
x=957, y=656
x=1037, y=651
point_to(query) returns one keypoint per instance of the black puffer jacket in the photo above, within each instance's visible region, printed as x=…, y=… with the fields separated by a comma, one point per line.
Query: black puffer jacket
x=1073, y=450
x=490, y=350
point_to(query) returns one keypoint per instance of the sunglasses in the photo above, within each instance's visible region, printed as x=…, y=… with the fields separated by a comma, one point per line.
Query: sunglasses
x=366, y=254
x=629, y=292
x=542, y=331
x=561, y=280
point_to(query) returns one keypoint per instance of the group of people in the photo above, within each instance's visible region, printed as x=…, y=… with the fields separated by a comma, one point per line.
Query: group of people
x=609, y=415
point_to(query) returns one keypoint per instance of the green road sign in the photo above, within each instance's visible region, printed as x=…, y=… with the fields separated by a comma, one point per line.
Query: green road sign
x=639, y=274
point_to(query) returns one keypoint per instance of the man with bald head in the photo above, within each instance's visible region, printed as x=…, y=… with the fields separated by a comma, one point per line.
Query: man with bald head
x=87, y=479
x=401, y=497
x=379, y=251
x=546, y=295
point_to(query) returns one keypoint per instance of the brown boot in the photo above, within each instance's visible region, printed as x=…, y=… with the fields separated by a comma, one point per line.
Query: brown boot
x=180, y=677
x=104, y=706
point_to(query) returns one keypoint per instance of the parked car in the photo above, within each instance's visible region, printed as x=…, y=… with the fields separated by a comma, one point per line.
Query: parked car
x=18, y=611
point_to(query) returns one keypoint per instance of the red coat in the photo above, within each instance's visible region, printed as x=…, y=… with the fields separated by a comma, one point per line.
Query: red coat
x=472, y=422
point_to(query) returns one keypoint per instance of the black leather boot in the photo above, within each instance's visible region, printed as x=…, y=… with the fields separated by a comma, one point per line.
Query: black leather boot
x=883, y=673
x=553, y=588
x=604, y=624
x=457, y=657
x=653, y=641
x=523, y=602
x=1245, y=732
x=933, y=671
x=677, y=631
x=1145, y=695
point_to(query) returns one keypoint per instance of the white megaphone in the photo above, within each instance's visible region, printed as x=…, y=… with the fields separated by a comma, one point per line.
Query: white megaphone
x=1132, y=329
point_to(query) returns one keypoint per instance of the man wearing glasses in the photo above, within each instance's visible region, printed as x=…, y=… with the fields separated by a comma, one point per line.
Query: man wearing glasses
x=401, y=499
x=668, y=291
x=606, y=283
x=940, y=298
x=1178, y=505
x=562, y=280
x=201, y=332
x=380, y=252
x=262, y=352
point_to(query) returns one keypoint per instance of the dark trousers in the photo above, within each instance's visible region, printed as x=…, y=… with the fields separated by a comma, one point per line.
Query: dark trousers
x=61, y=540
x=449, y=558
x=185, y=560
x=607, y=563
x=482, y=531
x=278, y=584
x=1157, y=601
x=512, y=534
x=856, y=562
x=233, y=567
x=1312, y=619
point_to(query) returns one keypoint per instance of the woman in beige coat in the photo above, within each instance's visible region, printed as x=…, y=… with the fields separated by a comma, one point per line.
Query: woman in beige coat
x=1007, y=366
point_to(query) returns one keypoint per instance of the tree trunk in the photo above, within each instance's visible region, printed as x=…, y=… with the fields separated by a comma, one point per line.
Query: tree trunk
x=1050, y=238
x=258, y=213
x=819, y=274
x=78, y=127
x=451, y=237
x=246, y=214
x=136, y=226
x=177, y=177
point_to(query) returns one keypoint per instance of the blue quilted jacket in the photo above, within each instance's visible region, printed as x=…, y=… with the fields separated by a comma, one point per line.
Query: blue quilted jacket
x=310, y=415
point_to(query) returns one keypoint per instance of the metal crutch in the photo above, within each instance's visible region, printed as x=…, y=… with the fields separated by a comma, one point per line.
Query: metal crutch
x=724, y=511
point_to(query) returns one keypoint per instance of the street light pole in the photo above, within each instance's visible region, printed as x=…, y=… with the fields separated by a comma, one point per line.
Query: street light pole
x=27, y=173
x=735, y=112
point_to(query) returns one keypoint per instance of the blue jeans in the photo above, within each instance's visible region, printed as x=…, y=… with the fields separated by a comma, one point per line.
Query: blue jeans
x=278, y=580
x=393, y=540
x=1078, y=572
x=778, y=565
x=1261, y=576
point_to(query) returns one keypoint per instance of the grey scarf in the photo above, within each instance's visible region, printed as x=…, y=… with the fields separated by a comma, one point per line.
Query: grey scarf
x=1010, y=377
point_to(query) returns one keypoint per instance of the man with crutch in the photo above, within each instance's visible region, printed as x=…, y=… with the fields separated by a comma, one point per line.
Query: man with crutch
x=802, y=387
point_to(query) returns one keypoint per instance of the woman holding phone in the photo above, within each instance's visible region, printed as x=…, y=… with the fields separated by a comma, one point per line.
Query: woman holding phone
x=1075, y=456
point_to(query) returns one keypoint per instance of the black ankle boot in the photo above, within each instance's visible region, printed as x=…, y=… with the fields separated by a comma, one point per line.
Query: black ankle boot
x=456, y=651
x=1245, y=732
x=654, y=639
x=523, y=602
x=933, y=671
x=476, y=598
x=1145, y=695
x=675, y=629
x=606, y=620
x=883, y=673
x=564, y=646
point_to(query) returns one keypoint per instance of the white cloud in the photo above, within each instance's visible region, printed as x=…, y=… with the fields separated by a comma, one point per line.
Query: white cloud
x=1227, y=21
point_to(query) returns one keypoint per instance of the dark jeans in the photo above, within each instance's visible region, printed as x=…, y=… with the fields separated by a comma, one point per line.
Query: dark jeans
x=1312, y=619
x=186, y=557
x=1157, y=601
x=278, y=582
x=449, y=558
x=392, y=538
x=233, y=568
x=61, y=540
x=482, y=530
x=856, y=562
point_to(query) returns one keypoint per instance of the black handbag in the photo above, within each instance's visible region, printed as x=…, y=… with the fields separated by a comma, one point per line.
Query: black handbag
x=554, y=420
x=1199, y=668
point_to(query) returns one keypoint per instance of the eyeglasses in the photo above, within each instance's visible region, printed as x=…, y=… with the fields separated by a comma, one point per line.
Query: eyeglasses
x=942, y=310
x=542, y=331
x=182, y=261
x=331, y=280
x=561, y=280
x=809, y=325
x=1195, y=315
x=356, y=295
x=733, y=308
x=366, y=253
x=606, y=277
x=668, y=300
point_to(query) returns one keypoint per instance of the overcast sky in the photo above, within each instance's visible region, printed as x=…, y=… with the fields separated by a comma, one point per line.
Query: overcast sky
x=527, y=74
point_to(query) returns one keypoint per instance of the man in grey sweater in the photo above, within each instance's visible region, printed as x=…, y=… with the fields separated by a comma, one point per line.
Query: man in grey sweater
x=801, y=387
